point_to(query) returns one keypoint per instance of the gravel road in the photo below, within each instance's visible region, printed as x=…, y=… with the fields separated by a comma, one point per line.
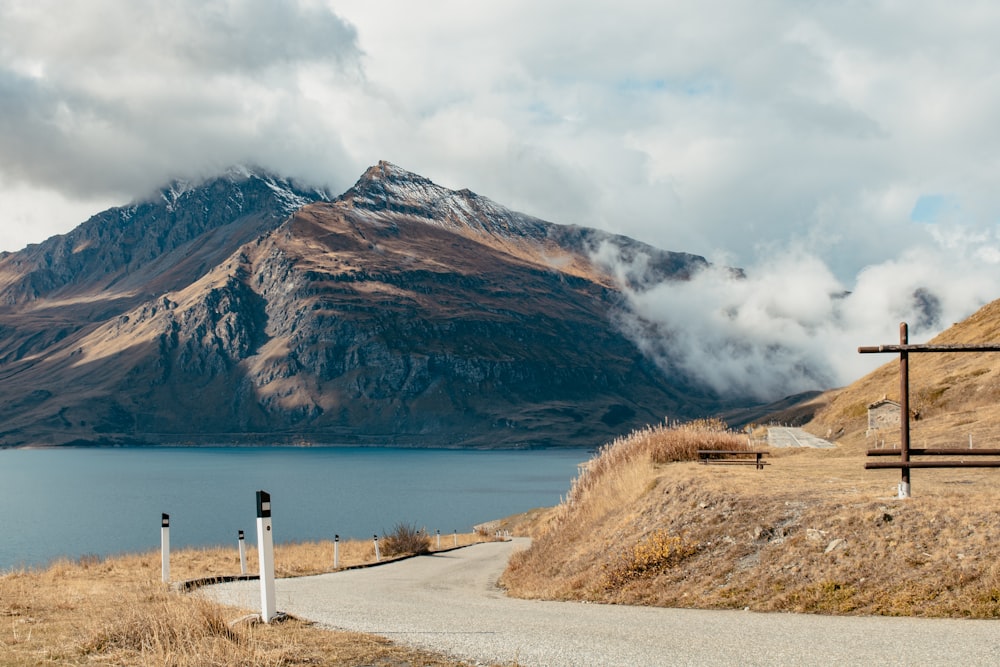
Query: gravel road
x=449, y=603
x=786, y=436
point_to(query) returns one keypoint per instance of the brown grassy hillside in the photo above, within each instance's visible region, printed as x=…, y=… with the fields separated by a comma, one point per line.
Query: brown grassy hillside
x=813, y=532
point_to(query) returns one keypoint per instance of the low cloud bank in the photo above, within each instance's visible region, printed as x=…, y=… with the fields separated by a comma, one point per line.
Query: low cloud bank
x=789, y=325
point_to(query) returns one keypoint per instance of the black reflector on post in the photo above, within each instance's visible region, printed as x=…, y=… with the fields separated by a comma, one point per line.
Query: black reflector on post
x=263, y=504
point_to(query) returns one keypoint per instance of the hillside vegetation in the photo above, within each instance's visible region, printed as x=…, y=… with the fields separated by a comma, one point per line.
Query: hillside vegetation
x=812, y=532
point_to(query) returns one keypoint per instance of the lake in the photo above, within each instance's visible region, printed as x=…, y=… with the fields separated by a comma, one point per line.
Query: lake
x=104, y=501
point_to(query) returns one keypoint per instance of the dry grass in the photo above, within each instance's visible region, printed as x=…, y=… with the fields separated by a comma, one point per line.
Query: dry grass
x=117, y=612
x=663, y=443
x=814, y=532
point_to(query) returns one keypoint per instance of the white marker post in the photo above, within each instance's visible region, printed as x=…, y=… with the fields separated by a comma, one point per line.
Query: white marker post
x=336, y=552
x=243, y=554
x=265, y=552
x=439, y=539
x=378, y=554
x=165, y=547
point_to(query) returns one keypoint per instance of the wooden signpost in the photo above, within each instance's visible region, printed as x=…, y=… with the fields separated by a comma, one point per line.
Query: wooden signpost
x=905, y=452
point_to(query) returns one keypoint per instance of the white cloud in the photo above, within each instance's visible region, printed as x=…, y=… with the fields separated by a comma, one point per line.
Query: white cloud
x=114, y=98
x=26, y=220
x=791, y=326
x=735, y=130
x=711, y=127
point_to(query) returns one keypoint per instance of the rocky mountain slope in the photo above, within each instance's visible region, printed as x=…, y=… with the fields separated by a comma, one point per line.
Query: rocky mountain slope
x=247, y=310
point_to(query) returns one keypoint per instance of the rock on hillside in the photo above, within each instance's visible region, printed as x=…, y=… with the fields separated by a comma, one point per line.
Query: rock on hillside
x=246, y=310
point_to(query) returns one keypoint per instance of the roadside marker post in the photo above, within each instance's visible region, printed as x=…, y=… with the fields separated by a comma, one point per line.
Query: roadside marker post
x=336, y=552
x=165, y=547
x=243, y=554
x=378, y=554
x=439, y=539
x=265, y=551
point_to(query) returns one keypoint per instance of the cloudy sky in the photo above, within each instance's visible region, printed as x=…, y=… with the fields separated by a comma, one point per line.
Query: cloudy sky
x=826, y=147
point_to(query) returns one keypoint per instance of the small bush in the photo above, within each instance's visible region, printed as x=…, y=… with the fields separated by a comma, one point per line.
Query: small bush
x=653, y=555
x=405, y=539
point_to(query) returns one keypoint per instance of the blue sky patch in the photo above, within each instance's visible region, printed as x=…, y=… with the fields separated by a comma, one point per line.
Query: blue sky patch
x=932, y=208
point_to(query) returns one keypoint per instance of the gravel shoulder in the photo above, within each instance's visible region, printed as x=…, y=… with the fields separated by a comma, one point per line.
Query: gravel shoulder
x=449, y=603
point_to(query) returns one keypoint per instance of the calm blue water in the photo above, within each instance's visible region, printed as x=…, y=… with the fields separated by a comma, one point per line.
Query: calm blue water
x=74, y=502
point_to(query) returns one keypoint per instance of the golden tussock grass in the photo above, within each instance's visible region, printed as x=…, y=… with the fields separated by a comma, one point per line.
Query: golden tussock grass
x=813, y=532
x=662, y=443
x=116, y=611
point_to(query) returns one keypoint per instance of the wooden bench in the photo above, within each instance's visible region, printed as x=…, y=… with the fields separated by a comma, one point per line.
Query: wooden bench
x=732, y=456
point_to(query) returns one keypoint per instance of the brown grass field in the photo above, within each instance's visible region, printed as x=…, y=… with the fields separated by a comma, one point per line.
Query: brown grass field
x=116, y=611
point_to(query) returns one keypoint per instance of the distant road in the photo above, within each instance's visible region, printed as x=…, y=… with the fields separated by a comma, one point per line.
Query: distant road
x=449, y=603
x=794, y=437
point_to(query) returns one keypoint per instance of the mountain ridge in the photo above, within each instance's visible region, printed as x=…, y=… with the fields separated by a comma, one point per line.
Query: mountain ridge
x=96, y=253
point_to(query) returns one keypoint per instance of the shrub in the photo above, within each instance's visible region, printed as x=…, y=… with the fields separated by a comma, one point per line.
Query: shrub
x=653, y=555
x=405, y=539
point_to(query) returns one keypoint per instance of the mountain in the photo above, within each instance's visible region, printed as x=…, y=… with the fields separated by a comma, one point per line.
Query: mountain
x=248, y=310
